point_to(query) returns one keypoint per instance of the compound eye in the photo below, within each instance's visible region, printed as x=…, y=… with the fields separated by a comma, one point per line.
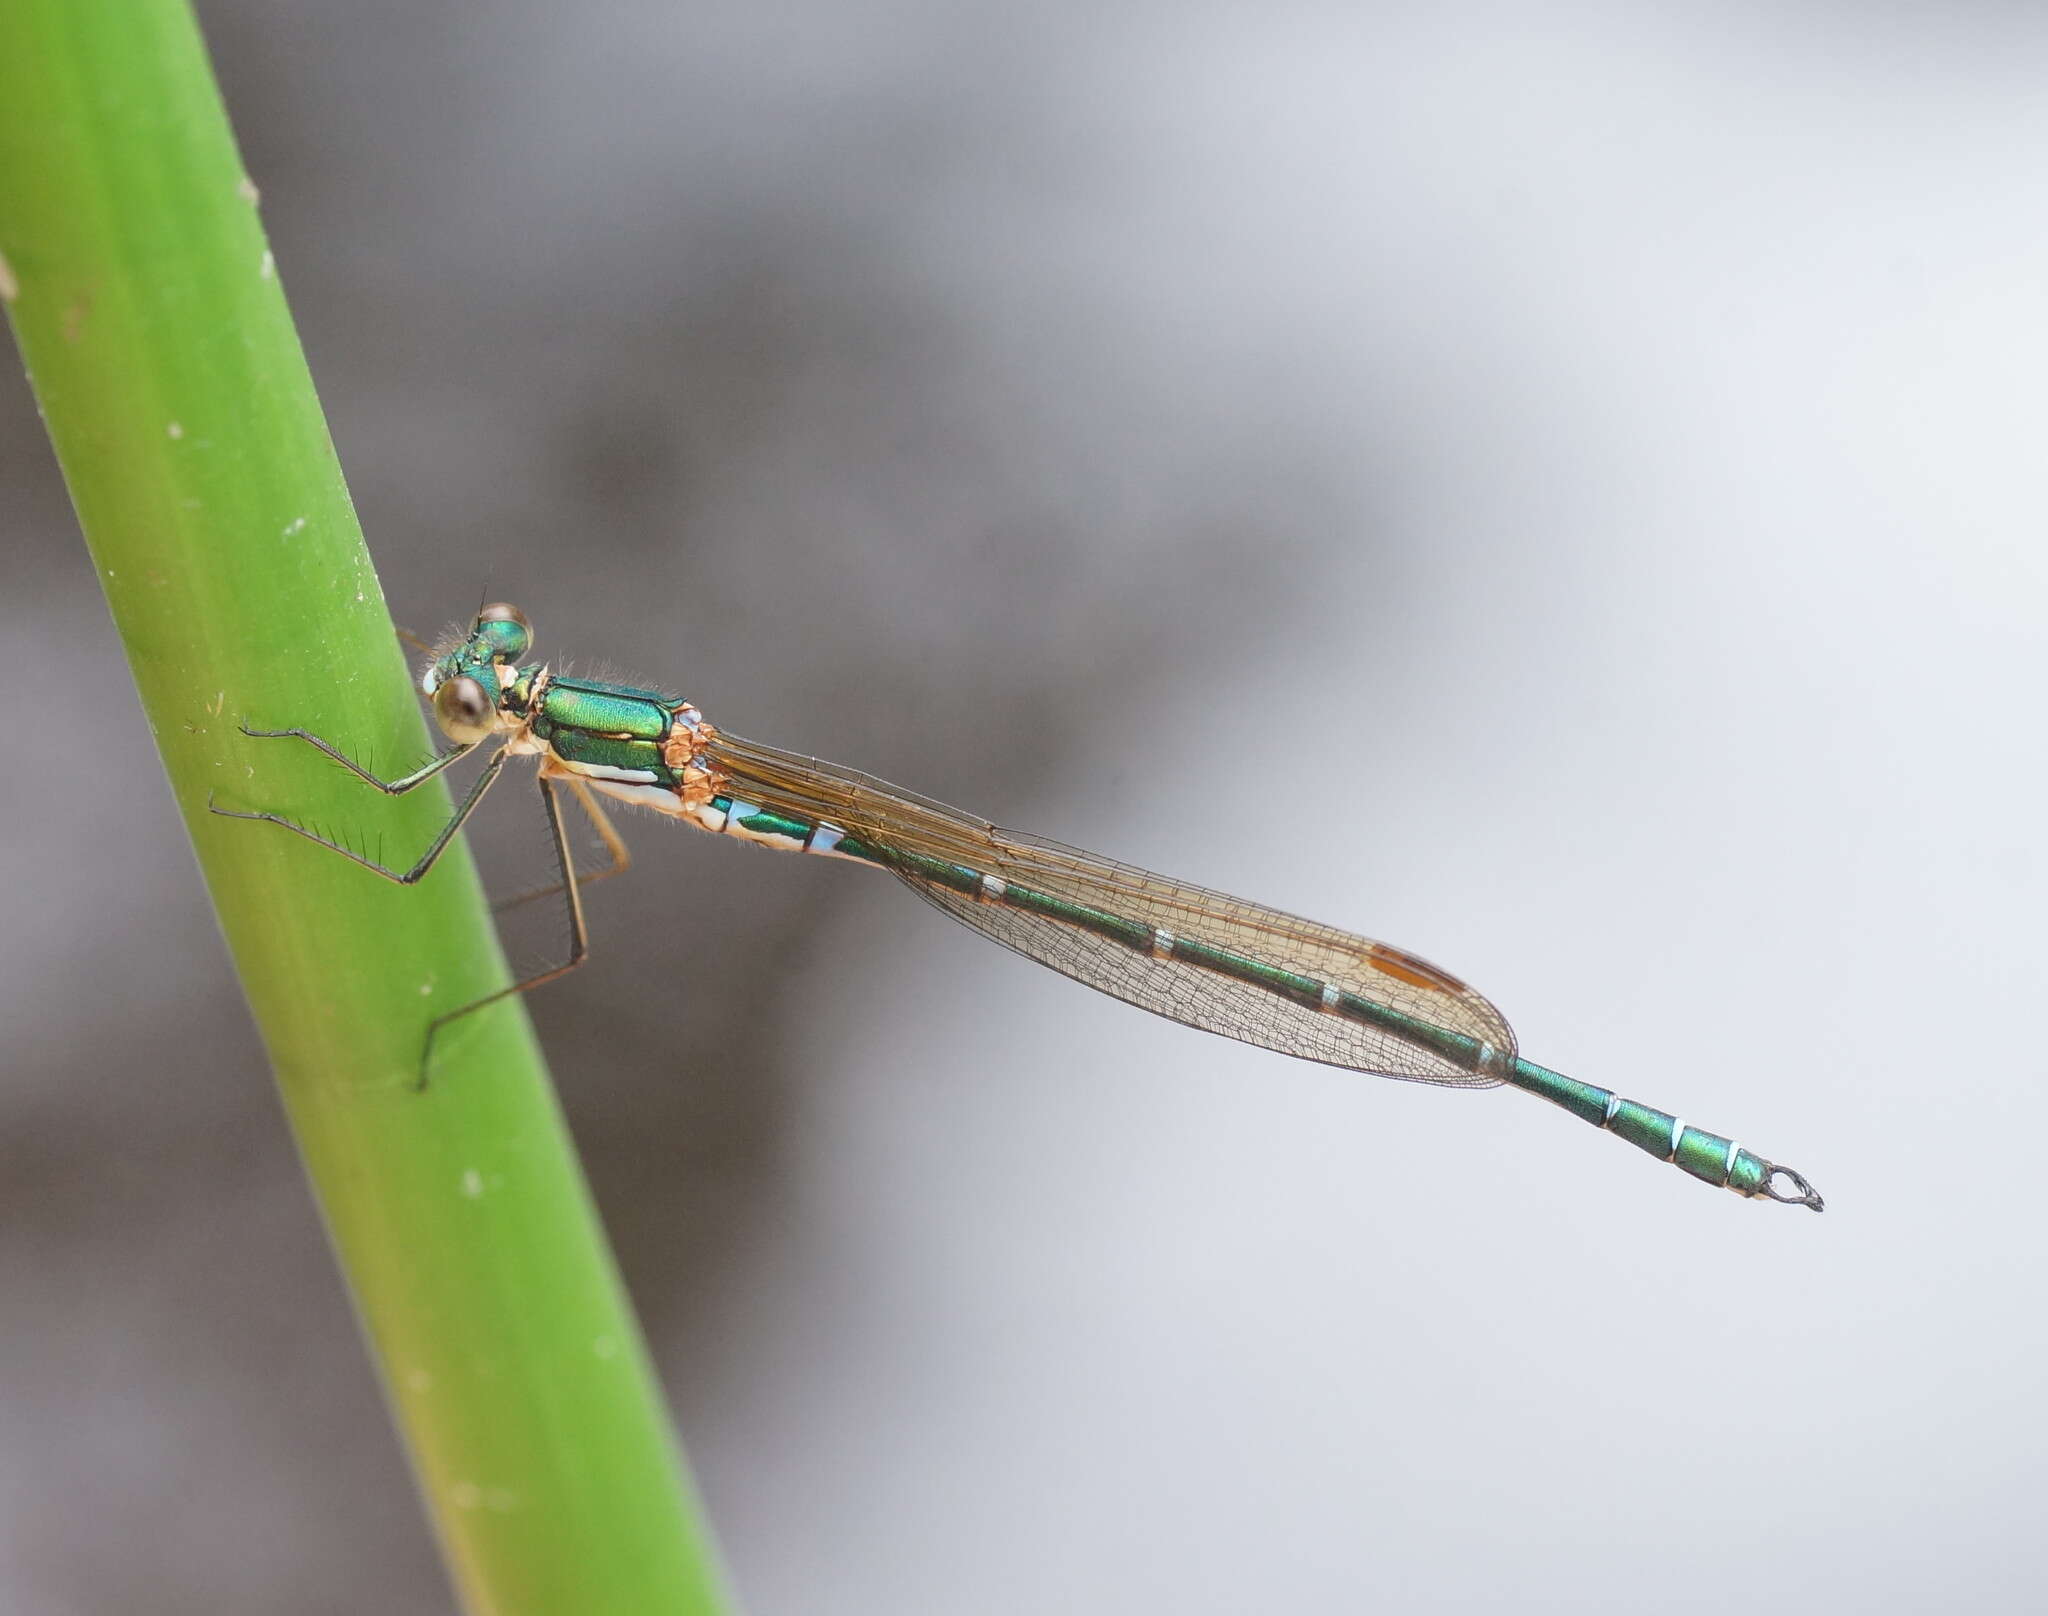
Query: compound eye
x=464, y=710
x=505, y=629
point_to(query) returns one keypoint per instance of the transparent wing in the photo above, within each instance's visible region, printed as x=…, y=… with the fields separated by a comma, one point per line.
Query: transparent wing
x=926, y=845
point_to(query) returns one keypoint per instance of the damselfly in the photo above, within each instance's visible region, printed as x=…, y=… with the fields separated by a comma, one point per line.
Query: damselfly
x=1183, y=952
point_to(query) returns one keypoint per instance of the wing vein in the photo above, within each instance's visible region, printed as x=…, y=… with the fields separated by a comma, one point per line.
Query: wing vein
x=1232, y=967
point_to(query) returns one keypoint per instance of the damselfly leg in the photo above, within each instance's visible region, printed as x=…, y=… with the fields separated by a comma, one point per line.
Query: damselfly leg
x=435, y=848
x=565, y=858
x=390, y=788
x=620, y=856
x=579, y=940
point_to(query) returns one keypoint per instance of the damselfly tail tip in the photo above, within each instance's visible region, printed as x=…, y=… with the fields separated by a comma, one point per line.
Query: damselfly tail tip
x=1804, y=1194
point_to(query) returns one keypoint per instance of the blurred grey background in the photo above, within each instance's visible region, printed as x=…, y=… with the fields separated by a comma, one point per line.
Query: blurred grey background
x=1563, y=495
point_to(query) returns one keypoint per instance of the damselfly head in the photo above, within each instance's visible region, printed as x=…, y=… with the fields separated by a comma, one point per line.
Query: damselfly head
x=465, y=682
x=465, y=710
x=505, y=630
x=496, y=641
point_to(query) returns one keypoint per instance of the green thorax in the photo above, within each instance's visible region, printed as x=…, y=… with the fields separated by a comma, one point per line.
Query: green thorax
x=614, y=731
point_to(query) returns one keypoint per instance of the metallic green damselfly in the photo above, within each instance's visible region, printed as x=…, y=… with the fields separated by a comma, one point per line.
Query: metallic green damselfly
x=1183, y=952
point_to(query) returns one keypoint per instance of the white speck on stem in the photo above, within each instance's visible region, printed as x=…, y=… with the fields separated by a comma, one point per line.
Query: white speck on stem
x=472, y=1183
x=290, y=528
x=174, y=429
x=419, y=1380
x=465, y=1495
x=606, y=1347
x=269, y=268
x=10, y=288
x=247, y=191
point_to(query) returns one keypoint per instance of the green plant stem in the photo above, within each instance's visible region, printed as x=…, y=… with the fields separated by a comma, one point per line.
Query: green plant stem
x=149, y=310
